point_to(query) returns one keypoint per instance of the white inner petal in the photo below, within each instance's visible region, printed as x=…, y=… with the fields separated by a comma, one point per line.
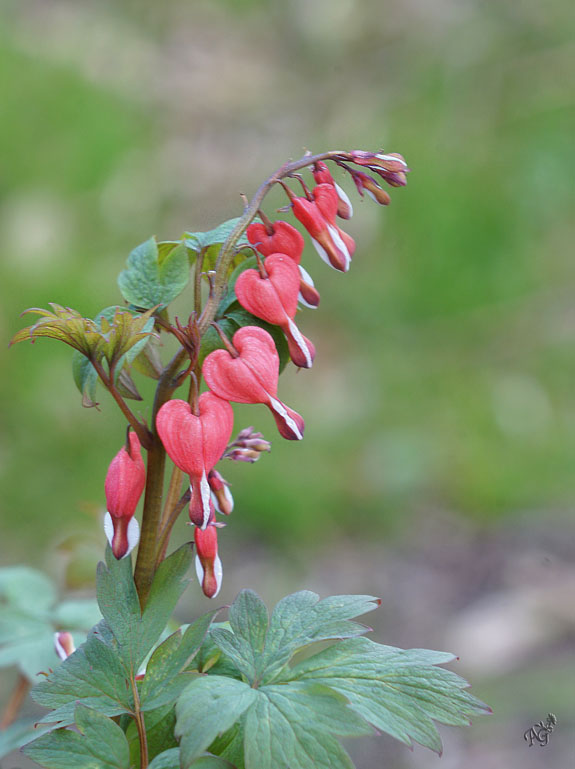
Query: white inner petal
x=199, y=570
x=392, y=158
x=218, y=573
x=60, y=651
x=281, y=410
x=300, y=341
x=205, y=492
x=109, y=528
x=336, y=237
x=321, y=251
x=133, y=535
x=228, y=496
x=342, y=195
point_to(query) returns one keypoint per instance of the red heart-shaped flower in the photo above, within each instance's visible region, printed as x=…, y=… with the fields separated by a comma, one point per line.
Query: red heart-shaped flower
x=285, y=239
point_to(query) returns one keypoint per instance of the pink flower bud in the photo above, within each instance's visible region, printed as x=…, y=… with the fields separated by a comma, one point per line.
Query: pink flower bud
x=64, y=645
x=326, y=200
x=391, y=167
x=252, y=377
x=221, y=494
x=325, y=236
x=308, y=294
x=285, y=239
x=365, y=183
x=208, y=564
x=322, y=175
x=195, y=443
x=274, y=299
x=247, y=446
x=124, y=485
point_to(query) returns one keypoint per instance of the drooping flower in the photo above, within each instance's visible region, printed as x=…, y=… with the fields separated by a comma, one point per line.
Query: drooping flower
x=366, y=183
x=221, y=494
x=280, y=237
x=195, y=443
x=322, y=175
x=251, y=376
x=325, y=237
x=124, y=485
x=64, y=644
x=208, y=564
x=326, y=199
x=274, y=299
x=284, y=239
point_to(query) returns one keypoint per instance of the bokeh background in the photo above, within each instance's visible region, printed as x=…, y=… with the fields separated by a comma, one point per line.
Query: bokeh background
x=438, y=465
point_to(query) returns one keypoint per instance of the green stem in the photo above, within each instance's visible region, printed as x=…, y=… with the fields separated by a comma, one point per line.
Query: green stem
x=139, y=718
x=139, y=428
x=152, y=514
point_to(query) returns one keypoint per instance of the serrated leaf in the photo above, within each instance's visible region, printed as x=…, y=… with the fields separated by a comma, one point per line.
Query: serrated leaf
x=398, y=691
x=94, y=675
x=208, y=707
x=154, y=277
x=165, y=678
x=101, y=744
x=260, y=651
x=292, y=727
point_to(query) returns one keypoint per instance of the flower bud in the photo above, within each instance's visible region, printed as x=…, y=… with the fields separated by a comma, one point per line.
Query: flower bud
x=252, y=377
x=308, y=294
x=195, y=443
x=124, y=485
x=322, y=175
x=208, y=564
x=247, y=446
x=221, y=494
x=391, y=167
x=324, y=236
x=365, y=183
x=64, y=645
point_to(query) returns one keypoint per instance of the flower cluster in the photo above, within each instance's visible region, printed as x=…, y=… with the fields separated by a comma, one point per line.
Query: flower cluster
x=196, y=434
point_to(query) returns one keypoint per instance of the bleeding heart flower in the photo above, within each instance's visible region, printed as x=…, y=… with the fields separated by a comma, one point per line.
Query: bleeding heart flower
x=195, y=443
x=284, y=239
x=325, y=197
x=64, y=644
x=208, y=564
x=252, y=377
x=124, y=485
x=274, y=298
x=322, y=175
x=325, y=237
x=391, y=167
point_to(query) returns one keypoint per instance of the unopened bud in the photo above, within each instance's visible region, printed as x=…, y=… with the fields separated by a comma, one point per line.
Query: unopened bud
x=221, y=494
x=208, y=564
x=64, y=645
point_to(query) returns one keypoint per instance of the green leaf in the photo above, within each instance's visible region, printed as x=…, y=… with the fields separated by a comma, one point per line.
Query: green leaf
x=84, y=373
x=27, y=589
x=94, y=675
x=292, y=727
x=196, y=241
x=165, y=679
x=15, y=735
x=100, y=744
x=169, y=759
x=211, y=762
x=397, y=691
x=245, y=644
x=260, y=651
x=230, y=296
x=159, y=725
x=208, y=707
x=155, y=276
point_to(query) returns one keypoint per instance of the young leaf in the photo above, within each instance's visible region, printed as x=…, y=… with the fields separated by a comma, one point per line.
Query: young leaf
x=154, y=277
x=99, y=744
x=196, y=241
x=165, y=679
x=397, y=691
x=208, y=707
x=297, y=620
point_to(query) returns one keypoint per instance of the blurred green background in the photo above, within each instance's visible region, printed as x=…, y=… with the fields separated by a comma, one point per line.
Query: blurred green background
x=438, y=464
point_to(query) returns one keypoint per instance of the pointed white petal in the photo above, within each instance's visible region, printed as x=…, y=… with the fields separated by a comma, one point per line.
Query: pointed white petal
x=109, y=528
x=322, y=252
x=228, y=496
x=300, y=341
x=336, y=237
x=205, y=492
x=342, y=195
x=279, y=408
x=199, y=570
x=218, y=573
x=133, y=535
